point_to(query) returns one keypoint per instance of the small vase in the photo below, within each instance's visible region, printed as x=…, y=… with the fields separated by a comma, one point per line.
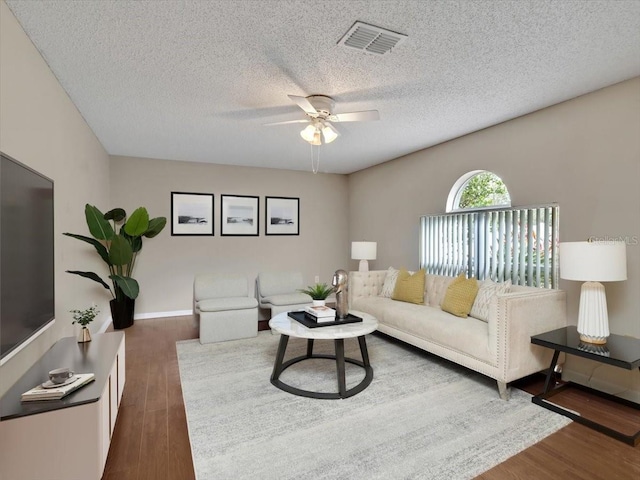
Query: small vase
x=85, y=335
x=319, y=303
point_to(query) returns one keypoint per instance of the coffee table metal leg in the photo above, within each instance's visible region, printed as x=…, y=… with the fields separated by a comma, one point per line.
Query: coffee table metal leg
x=310, y=347
x=364, y=351
x=342, y=384
x=277, y=366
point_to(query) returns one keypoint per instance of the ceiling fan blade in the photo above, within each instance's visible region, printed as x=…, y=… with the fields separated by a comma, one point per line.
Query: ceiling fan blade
x=285, y=123
x=304, y=104
x=356, y=116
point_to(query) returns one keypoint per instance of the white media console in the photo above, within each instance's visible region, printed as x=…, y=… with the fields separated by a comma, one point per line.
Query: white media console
x=68, y=438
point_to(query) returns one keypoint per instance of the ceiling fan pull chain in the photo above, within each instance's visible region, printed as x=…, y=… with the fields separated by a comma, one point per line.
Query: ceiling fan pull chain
x=315, y=162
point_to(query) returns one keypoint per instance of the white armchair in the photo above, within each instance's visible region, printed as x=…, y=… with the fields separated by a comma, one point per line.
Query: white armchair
x=225, y=310
x=278, y=291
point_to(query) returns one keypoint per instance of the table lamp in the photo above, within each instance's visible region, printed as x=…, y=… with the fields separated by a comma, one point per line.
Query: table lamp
x=592, y=263
x=363, y=251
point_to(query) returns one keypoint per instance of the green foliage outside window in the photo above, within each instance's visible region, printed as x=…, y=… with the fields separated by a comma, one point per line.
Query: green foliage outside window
x=484, y=190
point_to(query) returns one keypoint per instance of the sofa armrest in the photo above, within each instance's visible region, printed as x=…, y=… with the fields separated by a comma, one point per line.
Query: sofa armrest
x=513, y=319
x=365, y=284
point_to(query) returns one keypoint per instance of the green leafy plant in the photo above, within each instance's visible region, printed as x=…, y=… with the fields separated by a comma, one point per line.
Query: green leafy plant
x=85, y=317
x=483, y=190
x=319, y=291
x=118, y=240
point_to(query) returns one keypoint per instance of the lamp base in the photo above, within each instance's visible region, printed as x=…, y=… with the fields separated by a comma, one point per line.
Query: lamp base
x=602, y=350
x=593, y=340
x=364, y=266
x=593, y=319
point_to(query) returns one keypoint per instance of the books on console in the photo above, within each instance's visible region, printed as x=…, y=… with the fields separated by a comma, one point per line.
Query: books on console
x=56, y=393
x=321, y=314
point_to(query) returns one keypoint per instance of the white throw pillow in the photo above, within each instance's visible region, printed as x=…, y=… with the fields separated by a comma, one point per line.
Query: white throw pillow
x=488, y=289
x=389, y=282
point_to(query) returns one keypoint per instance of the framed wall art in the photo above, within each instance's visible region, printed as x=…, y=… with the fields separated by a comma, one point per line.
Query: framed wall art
x=191, y=213
x=239, y=215
x=282, y=216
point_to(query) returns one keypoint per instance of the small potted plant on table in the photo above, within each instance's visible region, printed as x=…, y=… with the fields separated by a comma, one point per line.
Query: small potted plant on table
x=84, y=318
x=318, y=293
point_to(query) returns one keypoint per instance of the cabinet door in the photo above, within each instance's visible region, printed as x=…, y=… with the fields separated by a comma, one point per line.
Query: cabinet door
x=121, y=370
x=104, y=409
x=113, y=397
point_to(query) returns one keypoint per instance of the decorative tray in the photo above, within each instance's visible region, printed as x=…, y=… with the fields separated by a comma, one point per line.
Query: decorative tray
x=310, y=322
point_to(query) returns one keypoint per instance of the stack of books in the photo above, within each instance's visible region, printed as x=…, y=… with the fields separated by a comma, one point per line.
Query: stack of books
x=56, y=393
x=320, y=314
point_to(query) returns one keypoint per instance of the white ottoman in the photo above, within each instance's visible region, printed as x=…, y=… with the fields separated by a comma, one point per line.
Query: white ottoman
x=225, y=310
x=223, y=319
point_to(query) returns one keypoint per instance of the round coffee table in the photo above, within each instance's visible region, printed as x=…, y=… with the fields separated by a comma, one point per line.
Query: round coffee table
x=288, y=327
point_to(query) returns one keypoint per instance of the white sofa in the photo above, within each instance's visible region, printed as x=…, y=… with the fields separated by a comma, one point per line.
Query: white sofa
x=499, y=348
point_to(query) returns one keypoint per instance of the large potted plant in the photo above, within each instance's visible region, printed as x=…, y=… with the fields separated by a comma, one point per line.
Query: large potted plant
x=118, y=240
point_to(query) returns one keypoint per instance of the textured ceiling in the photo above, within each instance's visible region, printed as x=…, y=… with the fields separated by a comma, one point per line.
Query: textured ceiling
x=196, y=80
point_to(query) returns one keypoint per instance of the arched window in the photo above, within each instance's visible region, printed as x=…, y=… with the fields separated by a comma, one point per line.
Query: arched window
x=484, y=237
x=478, y=189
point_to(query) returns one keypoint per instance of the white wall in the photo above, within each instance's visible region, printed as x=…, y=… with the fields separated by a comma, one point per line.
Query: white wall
x=167, y=264
x=583, y=154
x=40, y=127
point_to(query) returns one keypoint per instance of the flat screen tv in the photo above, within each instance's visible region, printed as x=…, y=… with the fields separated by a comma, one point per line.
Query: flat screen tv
x=26, y=255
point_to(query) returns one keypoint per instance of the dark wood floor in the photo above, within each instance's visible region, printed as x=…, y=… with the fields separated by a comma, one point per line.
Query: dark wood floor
x=151, y=441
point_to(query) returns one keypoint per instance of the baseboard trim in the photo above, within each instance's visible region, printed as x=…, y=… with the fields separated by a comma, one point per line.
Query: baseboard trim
x=628, y=392
x=175, y=313
x=147, y=316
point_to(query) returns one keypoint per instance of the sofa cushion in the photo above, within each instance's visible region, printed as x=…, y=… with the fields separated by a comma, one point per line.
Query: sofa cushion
x=287, y=299
x=389, y=282
x=466, y=335
x=224, y=304
x=436, y=288
x=376, y=306
x=409, y=288
x=460, y=296
x=488, y=290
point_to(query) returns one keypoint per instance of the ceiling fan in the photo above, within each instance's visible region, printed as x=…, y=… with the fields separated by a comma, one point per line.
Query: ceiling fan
x=319, y=111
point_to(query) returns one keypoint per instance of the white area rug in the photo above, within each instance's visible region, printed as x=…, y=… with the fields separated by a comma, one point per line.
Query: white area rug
x=421, y=417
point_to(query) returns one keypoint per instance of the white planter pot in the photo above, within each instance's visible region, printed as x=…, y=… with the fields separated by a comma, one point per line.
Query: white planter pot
x=319, y=303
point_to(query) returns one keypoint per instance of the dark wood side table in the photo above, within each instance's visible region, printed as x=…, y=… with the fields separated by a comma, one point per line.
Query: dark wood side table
x=620, y=351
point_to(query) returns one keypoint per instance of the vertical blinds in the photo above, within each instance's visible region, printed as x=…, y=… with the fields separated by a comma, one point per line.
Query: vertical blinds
x=517, y=244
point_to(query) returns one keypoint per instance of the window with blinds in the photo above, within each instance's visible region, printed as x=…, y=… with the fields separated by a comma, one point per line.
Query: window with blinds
x=517, y=244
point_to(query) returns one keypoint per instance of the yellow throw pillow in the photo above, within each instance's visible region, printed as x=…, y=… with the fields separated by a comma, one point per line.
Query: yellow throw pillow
x=409, y=288
x=460, y=296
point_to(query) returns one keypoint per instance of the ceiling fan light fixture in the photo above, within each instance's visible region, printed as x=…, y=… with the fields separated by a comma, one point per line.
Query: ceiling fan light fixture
x=329, y=134
x=308, y=133
x=316, y=138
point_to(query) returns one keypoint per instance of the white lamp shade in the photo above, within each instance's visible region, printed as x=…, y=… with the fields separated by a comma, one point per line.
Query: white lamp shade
x=308, y=133
x=329, y=134
x=593, y=261
x=364, y=250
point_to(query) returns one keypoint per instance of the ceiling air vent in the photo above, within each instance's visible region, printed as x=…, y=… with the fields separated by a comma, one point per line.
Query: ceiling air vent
x=371, y=39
